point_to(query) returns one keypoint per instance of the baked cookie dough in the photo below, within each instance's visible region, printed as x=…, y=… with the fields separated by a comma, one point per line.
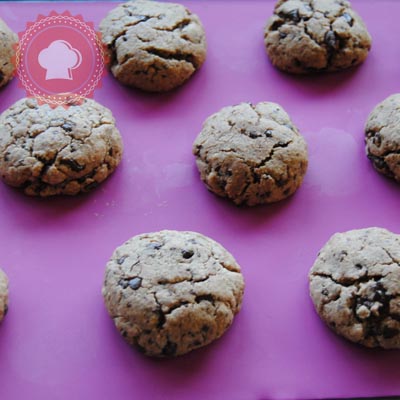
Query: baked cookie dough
x=251, y=154
x=172, y=292
x=153, y=46
x=382, y=132
x=3, y=295
x=304, y=36
x=64, y=151
x=355, y=286
x=8, y=39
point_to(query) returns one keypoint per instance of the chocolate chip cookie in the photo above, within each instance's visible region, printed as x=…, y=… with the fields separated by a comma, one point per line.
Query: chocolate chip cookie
x=62, y=151
x=8, y=39
x=382, y=132
x=355, y=286
x=3, y=295
x=251, y=154
x=304, y=36
x=172, y=292
x=153, y=46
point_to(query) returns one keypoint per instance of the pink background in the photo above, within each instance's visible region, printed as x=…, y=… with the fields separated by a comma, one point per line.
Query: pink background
x=57, y=342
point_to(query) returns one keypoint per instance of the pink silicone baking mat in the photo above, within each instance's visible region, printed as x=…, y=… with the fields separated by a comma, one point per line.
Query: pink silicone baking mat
x=58, y=343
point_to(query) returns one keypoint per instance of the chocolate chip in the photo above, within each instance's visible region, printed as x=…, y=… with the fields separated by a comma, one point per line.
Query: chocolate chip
x=282, y=35
x=380, y=164
x=389, y=333
x=377, y=140
x=330, y=39
x=294, y=15
x=123, y=283
x=358, y=266
x=91, y=185
x=324, y=292
x=135, y=283
x=205, y=328
x=142, y=18
x=169, y=349
x=348, y=18
x=121, y=260
x=276, y=25
x=187, y=254
x=253, y=135
x=161, y=319
x=204, y=297
x=154, y=245
x=67, y=127
x=75, y=166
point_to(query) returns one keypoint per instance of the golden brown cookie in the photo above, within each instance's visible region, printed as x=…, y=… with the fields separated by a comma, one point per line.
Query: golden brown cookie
x=48, y=152
x=382, y=136
x=8, y=40
x=154, y=46
x=251, y=154
x=172, y=292
x=355, y=286
x=304, y=36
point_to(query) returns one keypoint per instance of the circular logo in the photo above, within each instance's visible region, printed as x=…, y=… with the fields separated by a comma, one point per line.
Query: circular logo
x=60, y=59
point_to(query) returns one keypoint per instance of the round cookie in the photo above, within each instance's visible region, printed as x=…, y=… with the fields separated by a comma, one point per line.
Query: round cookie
x=3, y=295
x=382, y=132
x=8, y=40
x=62, y=151
x=355, y=286
x=251, y=154
x=172, y=292
x=153, y=46
x=304, y=36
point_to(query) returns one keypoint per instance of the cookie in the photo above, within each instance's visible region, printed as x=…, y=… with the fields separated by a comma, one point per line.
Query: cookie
x=153, y=46
x=3, y=295
x=7, y=52
x=172, y=292
x=66, y=151
x=382, y=132
x=251, y=154
x=304, y=36
x=355, y=286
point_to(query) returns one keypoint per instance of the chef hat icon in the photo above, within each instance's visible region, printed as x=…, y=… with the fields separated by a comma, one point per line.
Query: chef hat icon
x=59, y=59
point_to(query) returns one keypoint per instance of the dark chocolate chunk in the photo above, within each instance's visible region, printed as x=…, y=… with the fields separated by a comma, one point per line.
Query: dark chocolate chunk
x=169, y=349
x=67, y=127
x=204, y=297
x=330, y=39
x=348, y=18
x=389, y=333
x=135, y=283
x=74, y=165
x=154, y=245
x=187, y=254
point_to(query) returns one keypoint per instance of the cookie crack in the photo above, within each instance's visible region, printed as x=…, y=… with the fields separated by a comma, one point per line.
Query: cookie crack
x=172, y=55
x=279, y=145
x=179, y=25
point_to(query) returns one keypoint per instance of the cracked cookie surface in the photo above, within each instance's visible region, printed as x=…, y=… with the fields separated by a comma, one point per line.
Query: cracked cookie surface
x=304, y=36
x=171, y=292
x=251, y=154
x=3, y=295
x=382, y=132
x=153, y=46
x=8, y=40
x=355, y=286
x=62, y=151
